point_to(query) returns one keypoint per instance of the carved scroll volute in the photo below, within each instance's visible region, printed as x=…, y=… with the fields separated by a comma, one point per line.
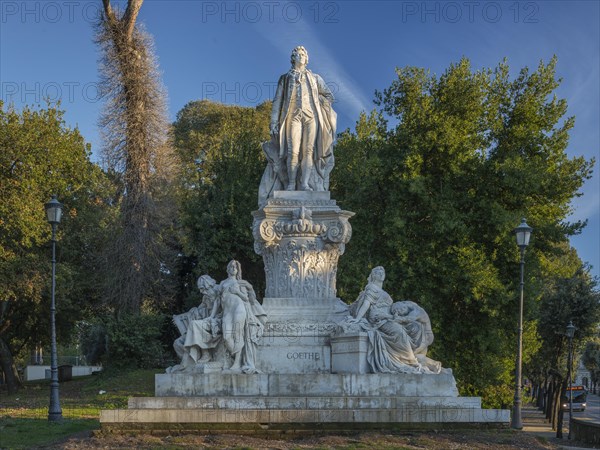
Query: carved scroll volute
x=339, y=231
x=266, y=232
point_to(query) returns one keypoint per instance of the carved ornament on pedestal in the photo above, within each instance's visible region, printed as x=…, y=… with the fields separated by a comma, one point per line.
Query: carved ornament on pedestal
x=300, y=247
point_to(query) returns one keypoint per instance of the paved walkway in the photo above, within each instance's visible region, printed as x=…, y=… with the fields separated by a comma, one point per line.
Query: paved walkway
x=534, y=422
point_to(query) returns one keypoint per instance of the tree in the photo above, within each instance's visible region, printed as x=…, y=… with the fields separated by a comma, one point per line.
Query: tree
x=222, y=163
x=135, y=133
x=438, y=195
x=564, y=299
x=40, y=156
x=591, y=361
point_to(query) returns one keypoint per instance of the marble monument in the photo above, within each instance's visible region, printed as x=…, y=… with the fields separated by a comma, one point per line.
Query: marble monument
x=303, y=357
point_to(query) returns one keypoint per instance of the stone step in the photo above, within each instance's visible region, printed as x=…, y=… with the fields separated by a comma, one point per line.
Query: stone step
x=179, y=417
x=302, y=385
x=304, y=402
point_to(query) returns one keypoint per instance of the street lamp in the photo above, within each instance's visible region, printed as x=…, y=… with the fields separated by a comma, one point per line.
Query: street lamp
x=53, y=213
x=570, y=334
x=522, y=233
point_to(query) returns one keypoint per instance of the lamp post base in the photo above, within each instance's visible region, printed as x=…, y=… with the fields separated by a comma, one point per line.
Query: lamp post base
x=516, y=422
x=55, y=416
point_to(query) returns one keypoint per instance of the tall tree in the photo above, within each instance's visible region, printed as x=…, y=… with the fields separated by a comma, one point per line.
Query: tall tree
x=470, y=153
x=135, y=130
x=40, y=156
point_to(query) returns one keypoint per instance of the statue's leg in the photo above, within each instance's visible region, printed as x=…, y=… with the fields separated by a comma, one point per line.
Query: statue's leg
x=178, y=346
x=237, y=361
x=228, y=332
x=239, y=320
x=294, y=136
x=309, y=135
x=205, y=356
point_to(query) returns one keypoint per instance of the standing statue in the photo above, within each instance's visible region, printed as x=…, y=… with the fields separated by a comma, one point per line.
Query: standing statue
x=303, y=125
x=199, y=328
x=399, y=333
x=243, y=319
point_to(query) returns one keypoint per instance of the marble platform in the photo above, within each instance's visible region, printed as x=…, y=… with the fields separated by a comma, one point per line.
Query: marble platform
x=284, y=403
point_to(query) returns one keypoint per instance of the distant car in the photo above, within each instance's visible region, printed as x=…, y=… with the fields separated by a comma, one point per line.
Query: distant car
x=579, y=398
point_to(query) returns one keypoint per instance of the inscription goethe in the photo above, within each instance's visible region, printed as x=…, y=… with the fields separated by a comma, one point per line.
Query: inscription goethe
x=304, y=355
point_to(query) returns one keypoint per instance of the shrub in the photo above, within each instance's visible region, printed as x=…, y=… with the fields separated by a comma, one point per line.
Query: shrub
x=135, y=340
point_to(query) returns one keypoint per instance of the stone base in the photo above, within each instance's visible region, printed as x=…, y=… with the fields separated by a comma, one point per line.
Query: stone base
x=349, y=418
x=286, y=403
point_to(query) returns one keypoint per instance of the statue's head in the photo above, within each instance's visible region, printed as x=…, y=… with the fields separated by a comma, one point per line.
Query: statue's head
x=298, y=53
x=205, y=283
x=234, y=268
x=401, y=308
x=377, y=274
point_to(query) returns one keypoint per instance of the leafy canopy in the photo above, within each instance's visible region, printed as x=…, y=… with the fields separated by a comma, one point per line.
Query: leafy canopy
x=438, y=194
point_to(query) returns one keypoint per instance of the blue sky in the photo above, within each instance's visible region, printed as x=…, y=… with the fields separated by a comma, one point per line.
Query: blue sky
x=234, y=52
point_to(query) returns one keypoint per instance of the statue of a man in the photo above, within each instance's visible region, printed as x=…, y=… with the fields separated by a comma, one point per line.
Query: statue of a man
x=303, y=125
x=199, y=327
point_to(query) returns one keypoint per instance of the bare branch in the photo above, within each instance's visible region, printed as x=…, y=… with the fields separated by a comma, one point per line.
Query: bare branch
x=131, y=13
x=110, y=14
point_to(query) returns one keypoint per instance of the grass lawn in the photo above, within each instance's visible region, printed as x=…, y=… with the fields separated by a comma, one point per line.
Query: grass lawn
x=24, y=415
x=23, y=432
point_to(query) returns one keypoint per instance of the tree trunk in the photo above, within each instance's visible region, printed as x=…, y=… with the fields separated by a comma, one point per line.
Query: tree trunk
x=7, y=365
x=549, y=397
x=559, y=413
x=541, y=395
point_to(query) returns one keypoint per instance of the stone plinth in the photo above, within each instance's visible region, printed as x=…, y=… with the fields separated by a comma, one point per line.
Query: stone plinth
x=349, y=353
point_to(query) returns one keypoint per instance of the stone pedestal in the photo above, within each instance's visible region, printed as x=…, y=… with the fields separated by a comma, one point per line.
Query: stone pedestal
x=300, y=236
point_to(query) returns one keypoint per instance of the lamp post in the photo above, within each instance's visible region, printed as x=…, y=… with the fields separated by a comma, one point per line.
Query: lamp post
x=522, y=233
x=53, y=213
x=570, y=334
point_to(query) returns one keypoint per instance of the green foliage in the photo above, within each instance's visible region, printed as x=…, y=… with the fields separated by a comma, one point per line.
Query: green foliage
x=564, y=299
x=41, y=156
x=135, y=340
x=438, y=195
x=591, y=360
x=222, y=163
x=495, y=396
